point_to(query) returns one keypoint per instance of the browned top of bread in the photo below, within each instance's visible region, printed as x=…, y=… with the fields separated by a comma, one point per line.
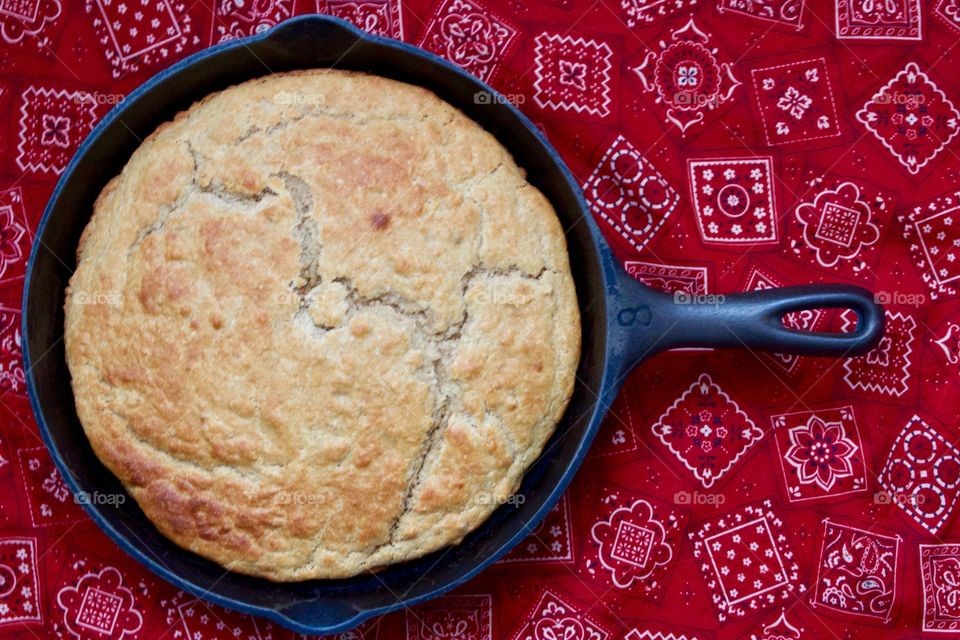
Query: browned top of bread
x=321, y=323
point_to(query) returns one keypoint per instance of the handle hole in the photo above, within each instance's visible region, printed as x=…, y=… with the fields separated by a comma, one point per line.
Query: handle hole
x=821, y=320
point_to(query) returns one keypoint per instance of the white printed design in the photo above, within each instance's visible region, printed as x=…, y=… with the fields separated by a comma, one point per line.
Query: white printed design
x=734, y=199
x=141, y=33
x=686, y=76
x=572, y=74
x=940, y=575
x=797, y=102
x=948, y=11
x=644, y=12
x=857, y=573
x=14, y=235
x=471, y=36
x=933, y=231
x=19, y=581
x=670, y=278
x=821, y=453
x=922, y=475
x=774, y=12
x=99, y=605
x=879, y=19
x=239, y=18
x=837, y=225
x=53, y=123
x=554, y=618
x=632, y=543
x=22, y=20
x=379, y=17
x=465, y=617
x=707, y=431
x=912, y=117
x=746, y=561
x=630, y=194
x=887, y=368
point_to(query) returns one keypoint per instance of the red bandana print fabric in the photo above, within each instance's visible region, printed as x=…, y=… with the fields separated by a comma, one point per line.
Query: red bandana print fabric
x=722, y=145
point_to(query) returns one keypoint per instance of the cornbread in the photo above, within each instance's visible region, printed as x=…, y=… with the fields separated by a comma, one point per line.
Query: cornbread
x=320, y=324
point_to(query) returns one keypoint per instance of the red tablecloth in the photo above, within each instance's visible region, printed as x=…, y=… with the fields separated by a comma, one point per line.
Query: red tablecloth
x=724, y=145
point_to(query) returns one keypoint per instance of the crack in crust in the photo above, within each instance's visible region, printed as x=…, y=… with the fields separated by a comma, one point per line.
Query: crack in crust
x=483, y=423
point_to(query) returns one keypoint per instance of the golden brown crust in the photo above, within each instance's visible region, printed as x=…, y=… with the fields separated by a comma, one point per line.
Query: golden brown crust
x=321, y=323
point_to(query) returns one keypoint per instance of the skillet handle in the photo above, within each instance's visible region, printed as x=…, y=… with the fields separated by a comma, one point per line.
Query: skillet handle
x=751, y=320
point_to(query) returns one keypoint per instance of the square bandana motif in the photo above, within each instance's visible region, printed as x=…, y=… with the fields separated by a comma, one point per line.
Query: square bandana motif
x=141, y=34
x=887, y=369
x=572, y=75
x=837, y=223
x=97, y=600
x=633, y=543
x=550, y=541
x=735, y=201
x=922, y=475
x=707, y=431
x=467, y=617
x=820, y=453
x=858, y=572
x=940, y=575
x=53, y=122
x=889, y=20
x=19, y=581
x=912, y=118
x=932, y=230
x=629, y=194
x=471, y=36
x=788, y=13
x=379, y=17
x=189, y=617
x=796, y=101
x=746, y=561
x=555, y=618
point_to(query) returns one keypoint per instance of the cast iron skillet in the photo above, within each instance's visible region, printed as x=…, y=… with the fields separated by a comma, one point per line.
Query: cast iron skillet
x=623, y=323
